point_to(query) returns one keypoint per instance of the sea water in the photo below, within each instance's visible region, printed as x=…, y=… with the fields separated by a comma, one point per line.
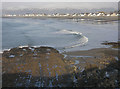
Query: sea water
x=62, y=34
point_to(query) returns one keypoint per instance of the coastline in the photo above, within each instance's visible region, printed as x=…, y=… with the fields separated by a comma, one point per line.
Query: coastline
x=60, y=45
x=99, y=18
x=71, y=65
x=92, y=52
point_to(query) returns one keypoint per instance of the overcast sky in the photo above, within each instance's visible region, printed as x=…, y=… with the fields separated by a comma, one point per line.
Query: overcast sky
x=52, y=5
x=60, y=0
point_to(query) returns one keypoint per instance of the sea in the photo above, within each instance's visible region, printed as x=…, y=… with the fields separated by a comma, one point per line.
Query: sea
x=62, y=34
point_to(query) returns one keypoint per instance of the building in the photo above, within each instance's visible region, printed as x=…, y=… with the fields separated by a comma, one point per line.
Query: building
x=113, y=14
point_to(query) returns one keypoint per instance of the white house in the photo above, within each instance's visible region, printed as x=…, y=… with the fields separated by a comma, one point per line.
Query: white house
x=56, y=14
x=67, y=14
x=94, y=14
x=48, y=15
x=82, y=14
x=100, y=14
x=26, y=15
x=118, y=14
x=113, y=14
x=108, y=15
x=89, y=14
x=74, y=14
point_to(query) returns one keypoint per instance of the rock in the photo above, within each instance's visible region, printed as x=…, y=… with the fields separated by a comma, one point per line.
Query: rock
x=27, y=65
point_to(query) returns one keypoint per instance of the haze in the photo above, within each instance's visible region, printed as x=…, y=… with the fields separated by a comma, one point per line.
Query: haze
x=54, y=5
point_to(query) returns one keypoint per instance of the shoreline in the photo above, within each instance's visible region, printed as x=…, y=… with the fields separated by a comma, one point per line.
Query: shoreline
x=108, y=45
x=29, y=61
x=90, y=52
x=102, y=18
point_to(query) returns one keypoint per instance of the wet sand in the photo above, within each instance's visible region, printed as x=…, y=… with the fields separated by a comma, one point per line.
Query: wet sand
x=95, y=52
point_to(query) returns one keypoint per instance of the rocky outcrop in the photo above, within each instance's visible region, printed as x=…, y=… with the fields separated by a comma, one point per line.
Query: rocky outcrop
x=46, y=67
x=29, y=66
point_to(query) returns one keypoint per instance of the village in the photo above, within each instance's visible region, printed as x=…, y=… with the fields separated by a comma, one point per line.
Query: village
x=97, y=14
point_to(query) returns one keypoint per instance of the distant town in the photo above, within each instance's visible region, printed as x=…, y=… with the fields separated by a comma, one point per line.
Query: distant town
x=97, y=14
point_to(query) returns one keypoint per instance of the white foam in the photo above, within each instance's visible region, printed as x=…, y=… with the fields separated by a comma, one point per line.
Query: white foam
x=32, y=49
x=36, y=46
x=81, y=42
x=7, y=49
x=68, y=32
x=1, y=52
x=23, y=46
x=11, y=48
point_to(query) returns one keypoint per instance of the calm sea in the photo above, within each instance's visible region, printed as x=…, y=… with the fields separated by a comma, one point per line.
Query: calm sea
x=62, y=34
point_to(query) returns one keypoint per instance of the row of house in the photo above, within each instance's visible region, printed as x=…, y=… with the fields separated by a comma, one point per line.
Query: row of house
x=73, y=15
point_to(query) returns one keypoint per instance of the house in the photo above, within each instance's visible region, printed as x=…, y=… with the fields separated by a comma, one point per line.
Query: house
x=48, y=15
x=113, y=14
x=8, y=15
x=94, y=14
x=118, y=14
x=100, y=14
x=67, y=14
x=26, y=15
x=89, y=14
x=82, y=14
x=56, y=14
x=74, y=14
x=108, y=15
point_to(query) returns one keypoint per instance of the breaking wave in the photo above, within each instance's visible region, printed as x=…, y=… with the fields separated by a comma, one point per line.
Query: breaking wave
x=69, y=32
x=82, y=40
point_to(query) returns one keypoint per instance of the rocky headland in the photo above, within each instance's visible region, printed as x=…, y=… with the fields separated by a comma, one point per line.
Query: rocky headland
x=46, y=67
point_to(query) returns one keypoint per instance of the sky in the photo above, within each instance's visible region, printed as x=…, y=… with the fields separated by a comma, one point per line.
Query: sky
x=59, y=0
x=52, y=5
